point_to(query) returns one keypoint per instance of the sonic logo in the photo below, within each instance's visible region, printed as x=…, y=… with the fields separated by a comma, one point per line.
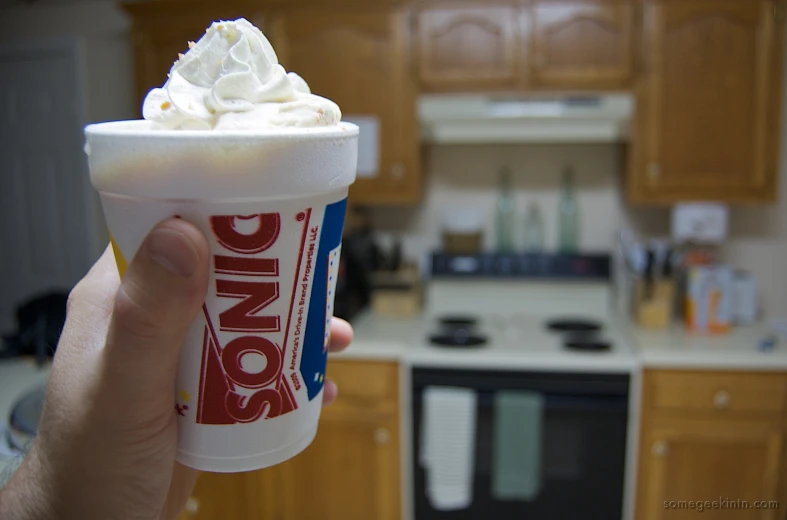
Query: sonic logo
x=228, y=392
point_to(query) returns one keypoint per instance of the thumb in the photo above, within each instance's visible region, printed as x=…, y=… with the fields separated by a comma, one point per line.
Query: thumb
x=160, y=294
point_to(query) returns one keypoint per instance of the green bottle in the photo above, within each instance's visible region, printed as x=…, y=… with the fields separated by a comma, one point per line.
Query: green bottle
x=568, y=215
x=504, y=221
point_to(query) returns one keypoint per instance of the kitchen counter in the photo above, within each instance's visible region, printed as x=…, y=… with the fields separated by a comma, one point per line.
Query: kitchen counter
x=738, y=350
x=402, y=339
x=17, y=376
x=382, y=338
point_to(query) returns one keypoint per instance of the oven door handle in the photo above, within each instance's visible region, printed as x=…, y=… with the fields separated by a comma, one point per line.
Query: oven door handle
x=558, y=401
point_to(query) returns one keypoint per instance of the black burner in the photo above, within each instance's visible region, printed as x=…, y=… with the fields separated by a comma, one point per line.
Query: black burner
x=458, y=320
x=574, y=325
x=457, y=338
x=588, y=345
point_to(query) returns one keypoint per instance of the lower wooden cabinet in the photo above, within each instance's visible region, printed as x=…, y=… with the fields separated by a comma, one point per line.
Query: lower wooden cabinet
x=217, y=495
x=351, y=471
x=725, y=462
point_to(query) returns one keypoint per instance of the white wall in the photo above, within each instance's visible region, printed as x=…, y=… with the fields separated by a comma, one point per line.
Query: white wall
x=468, y=176
x=105, y=33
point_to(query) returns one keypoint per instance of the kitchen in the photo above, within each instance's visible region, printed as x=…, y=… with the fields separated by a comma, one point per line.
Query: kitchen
x=651, y=105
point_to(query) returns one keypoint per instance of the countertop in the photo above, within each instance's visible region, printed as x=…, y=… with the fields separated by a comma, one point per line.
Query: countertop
x=401, y=339
x=737, y=350
x=17, y=376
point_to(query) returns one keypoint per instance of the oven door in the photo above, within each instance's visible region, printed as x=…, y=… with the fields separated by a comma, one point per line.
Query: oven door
x=583, y=448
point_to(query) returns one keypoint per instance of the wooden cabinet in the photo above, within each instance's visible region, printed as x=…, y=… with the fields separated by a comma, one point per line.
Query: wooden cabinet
x=581, y=44
x=218, y=496
x=695, y=446
x=690, y=460
x=350, y=471
x=360, y=60
x=709, y=98
x=468, y=46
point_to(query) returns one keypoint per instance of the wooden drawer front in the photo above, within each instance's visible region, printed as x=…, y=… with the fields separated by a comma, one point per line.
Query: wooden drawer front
x=717, y=392
x=364, y=381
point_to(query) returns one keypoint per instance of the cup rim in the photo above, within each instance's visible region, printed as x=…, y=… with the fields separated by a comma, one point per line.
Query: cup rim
x=141, y=128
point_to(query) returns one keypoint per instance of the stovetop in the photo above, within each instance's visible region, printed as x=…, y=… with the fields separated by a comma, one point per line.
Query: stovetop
x=525, y=333
x=539, y=325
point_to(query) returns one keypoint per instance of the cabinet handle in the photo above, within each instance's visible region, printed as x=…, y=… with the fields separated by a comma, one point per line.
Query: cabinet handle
x=653, y=171
x=398, y=170
x=192, y=507
x=660, y=448
x=382, y=436
x=539, y=61
x=639, y=54
x=721, y=400
x=778, y=12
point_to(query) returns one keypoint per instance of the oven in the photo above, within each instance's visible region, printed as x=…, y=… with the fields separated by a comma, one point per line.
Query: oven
x=583, y=423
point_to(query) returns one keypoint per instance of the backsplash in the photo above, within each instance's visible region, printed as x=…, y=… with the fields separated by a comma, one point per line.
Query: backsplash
x=467, y=176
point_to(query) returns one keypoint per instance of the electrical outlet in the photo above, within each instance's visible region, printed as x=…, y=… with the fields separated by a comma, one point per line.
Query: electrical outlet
x=700, y=222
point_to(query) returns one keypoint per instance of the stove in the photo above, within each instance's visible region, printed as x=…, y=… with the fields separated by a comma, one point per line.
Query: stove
x=537, y=332
x=476, y=316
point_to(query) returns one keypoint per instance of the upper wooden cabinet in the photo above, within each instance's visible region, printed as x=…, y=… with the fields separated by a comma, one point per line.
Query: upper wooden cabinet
x=360, y=60
x=581, y=44
x=468, y=46
x=709, y=99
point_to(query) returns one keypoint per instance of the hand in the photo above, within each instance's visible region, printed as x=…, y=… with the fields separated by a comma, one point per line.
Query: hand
x=108, y=433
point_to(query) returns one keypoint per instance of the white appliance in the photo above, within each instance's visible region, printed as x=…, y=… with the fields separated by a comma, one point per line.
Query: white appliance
x=513, y=318
x=532, y=118
x=491, y=327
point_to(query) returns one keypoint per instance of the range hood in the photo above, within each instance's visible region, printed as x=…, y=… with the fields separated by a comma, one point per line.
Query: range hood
x=537, y=118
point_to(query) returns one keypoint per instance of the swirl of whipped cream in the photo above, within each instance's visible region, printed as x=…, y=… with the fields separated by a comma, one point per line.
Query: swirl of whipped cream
x=231, y=79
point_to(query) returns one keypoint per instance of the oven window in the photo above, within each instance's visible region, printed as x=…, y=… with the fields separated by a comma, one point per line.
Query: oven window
x=582, y=465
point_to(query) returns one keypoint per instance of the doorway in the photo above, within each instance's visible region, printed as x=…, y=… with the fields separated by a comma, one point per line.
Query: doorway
x=47, y=209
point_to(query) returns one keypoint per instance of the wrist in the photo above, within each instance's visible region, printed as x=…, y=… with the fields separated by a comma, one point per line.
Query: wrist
x=26, y=495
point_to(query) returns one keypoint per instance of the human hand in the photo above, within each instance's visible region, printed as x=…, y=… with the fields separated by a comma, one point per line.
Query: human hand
x=108, y=434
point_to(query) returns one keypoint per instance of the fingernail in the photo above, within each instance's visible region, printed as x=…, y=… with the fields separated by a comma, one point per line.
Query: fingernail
x=172, y=251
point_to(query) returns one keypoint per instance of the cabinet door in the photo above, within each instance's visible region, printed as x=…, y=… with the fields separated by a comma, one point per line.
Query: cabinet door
x=222, y=496
x=359, y=60
x=581, y=44
x=468, y=48
x=735, y=464
x=709, y=102
x=351, y=471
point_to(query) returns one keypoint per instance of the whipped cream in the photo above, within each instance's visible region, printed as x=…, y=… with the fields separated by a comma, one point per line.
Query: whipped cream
x=231, y=80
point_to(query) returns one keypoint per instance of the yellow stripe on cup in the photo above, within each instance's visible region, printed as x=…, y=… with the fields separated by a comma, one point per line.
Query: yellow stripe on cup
x=119, y=259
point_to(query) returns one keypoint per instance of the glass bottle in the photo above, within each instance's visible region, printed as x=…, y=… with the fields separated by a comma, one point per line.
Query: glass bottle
x=568, y=215
x=534, y=229
x=504, y=221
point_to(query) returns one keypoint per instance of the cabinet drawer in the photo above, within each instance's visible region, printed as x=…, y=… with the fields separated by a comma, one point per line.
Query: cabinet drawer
x=717, y=391
x=364, y=381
